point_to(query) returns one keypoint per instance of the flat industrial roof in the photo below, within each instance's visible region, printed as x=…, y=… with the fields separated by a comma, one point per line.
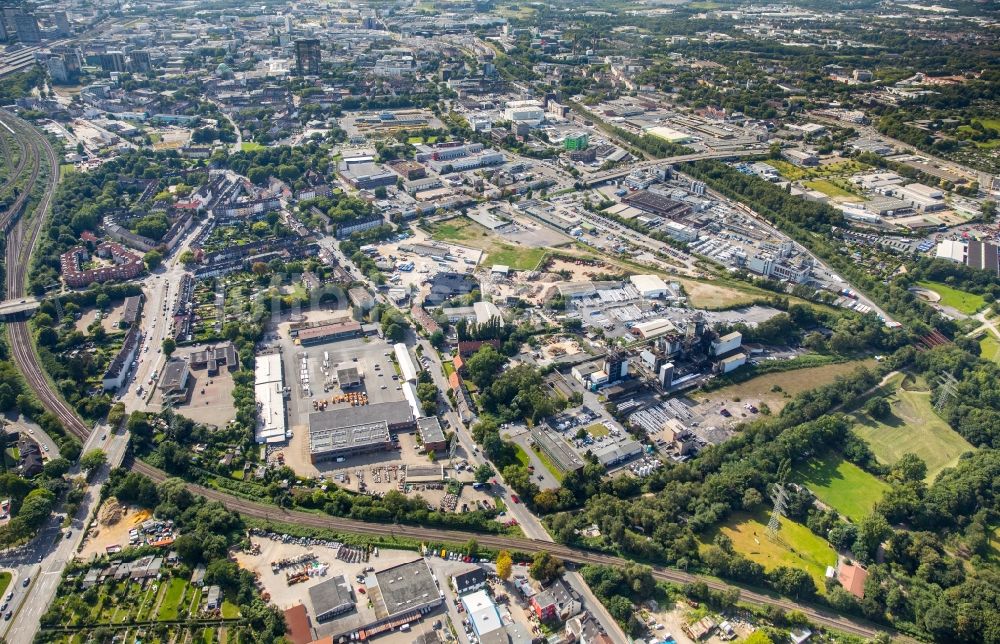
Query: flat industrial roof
x=346, y=438
x=406, y=587
x=271, y=421
x=331, y=597
x=174, y=373
x=335, y=328
x=554, y=445
x=396, y=412
x=267, y=369
x=430, y=429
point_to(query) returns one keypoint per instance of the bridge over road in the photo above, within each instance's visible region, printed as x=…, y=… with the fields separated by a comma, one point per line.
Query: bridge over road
x=19, y=308
x=598, y=178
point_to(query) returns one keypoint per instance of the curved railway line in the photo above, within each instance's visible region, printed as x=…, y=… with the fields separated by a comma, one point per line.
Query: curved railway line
x=30, y=150
x=22, y=158
x=19, y=247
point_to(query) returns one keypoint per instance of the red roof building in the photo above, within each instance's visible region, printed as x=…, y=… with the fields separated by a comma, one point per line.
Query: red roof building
x=124, y=265
x=297, y=624
x=852, y=577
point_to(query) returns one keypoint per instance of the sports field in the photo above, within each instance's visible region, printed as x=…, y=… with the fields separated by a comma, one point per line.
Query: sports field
x=968, y=303
x=913, y=427
x=796, y=545
x=843, y=486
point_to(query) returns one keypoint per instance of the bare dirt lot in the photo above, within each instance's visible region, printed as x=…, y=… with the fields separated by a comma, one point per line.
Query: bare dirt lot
x=713, y=296
x=111, y=528
x=578, y=272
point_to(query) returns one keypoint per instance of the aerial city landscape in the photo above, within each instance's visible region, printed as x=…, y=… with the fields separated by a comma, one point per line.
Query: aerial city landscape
x=499, y=321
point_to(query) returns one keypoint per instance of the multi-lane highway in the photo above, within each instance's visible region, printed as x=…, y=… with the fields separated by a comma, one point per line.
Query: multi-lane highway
x=19, y=247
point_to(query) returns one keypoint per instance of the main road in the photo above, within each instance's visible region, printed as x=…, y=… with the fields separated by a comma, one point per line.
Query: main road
x=18, y=254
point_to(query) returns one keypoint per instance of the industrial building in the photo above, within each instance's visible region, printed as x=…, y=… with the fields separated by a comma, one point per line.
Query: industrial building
x=340, y=443
x=269, y=384
x=348, y=377
x=732, y=363
x=331, y=598
x=558, y=450
x=657, y=204
x=727, y=343
x=431, y=434
x=407, y=368
x=654, y=328
x=328, y=332
x=348, y=431
x=487, y=312
x=975, y=254
x=614, y=453
x=483, y=614
x=403, y=590
x=649, y=286
x=527, y=112
x=174, y=381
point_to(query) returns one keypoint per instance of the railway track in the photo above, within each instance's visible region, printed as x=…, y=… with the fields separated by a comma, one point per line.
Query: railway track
x=15, y=172
x=20, y=243
x=522, y=544
x=9, y=217
x=19, y=247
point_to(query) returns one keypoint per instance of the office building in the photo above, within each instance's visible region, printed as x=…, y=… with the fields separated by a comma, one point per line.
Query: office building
x=307, y=56
x=61, y=21
x=113, y=61
x=576, y=141
x=57, y=70
x=140, y=61
x=26, y=27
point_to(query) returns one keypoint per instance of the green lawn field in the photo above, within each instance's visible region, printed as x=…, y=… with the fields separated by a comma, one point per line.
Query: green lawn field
x=230, y=610
x=517, y=258
x=458, y=229
x=597, y=430
x=831, y=189
x=989, y=348
x=465, y=231
x=913, y=427
x=4, y=582
x=796, y=546
x=843, y=486
x=251, y=146
x=170, y=606
x=968, y=303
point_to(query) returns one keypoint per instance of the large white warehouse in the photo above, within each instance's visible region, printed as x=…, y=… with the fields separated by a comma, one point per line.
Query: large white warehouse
x=406, y=366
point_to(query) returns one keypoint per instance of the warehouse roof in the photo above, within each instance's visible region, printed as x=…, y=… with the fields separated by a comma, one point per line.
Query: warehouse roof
x=328, y=439
x=430, y=430
x=331, y=597
x=405, y=588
